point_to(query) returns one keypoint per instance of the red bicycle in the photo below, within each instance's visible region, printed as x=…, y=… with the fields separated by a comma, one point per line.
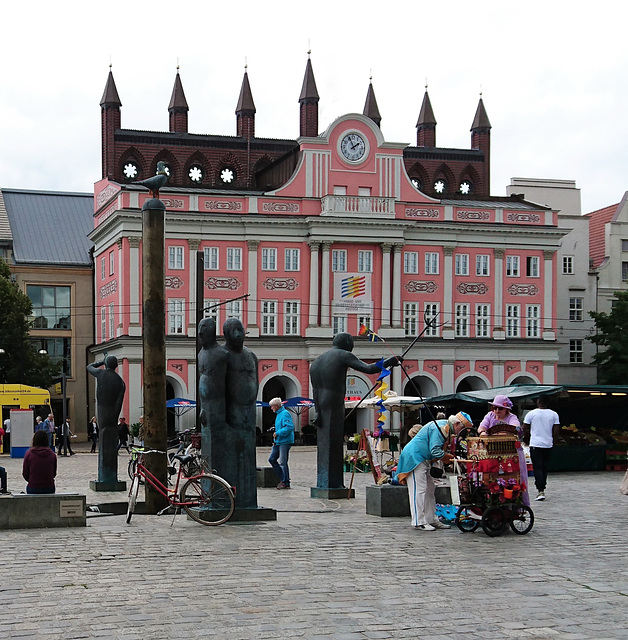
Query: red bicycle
x=206, y=498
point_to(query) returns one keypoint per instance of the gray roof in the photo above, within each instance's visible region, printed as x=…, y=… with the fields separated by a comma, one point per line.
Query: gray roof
x=5, y=229
x=50, y=227
x=506, y=203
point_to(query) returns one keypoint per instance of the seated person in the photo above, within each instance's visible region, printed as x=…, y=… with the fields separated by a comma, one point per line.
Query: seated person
x=40, y=465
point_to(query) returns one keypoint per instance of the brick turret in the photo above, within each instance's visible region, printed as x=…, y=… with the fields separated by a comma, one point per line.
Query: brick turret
x=370, y=106
x=110, y=122
x=308, y=101
x=426, y=124
x=178, y=108
x=481, y=139
x=245, y=110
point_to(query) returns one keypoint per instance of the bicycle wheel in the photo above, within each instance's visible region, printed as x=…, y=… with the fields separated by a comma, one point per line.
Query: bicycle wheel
x=522, y=519
x=465, y=521
x=209, y=499
x=132, y=467
x=494, y=521
x=135, y=487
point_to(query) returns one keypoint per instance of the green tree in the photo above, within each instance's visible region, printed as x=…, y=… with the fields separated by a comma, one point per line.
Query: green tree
x=20, y=363
x=612, y=335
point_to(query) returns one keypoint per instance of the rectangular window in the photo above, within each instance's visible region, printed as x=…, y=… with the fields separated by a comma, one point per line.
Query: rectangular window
x=234, y=309
x=234, y=259
x=462, y=320
x=339, y=260
x=269, y=318
x=533, y=321
x=430, y=317
x=291, y=317
x=210, y=310
x=512, y=266
x=176, y=315
x=269, y=259
x=103, y=266
x=624, y=271
x=210, y=259
x=292, y=259
x=532, y=266
x=365, y=261
x=567, y=265
x=482, y=320
x=575, y=309
x=411, y=318
x=364, y=320
x=175, y=257
x=112, y=263
x=462, y=264
x=431, y=264
x=112, y=321
x=338, y=324
x=411, y=262
x=624, y=245
x=512, y=320
x=482, y=265
x=575, y=351
x=103, y=323
x=59, y=349
x=51, y=307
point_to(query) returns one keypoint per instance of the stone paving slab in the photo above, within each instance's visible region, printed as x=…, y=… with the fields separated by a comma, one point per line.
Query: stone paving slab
x=323, y=571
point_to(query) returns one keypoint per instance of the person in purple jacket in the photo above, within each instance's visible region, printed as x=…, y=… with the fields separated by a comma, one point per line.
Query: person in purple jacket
x=40, y=465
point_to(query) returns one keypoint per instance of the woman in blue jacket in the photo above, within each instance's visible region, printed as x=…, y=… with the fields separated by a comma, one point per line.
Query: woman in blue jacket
x=283, y=440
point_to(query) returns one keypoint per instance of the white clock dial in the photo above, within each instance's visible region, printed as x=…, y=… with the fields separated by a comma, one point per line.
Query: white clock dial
x=353, y=147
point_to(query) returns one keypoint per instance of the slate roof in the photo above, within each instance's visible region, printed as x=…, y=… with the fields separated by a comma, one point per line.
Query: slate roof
x=50, y=227
x=5, y=228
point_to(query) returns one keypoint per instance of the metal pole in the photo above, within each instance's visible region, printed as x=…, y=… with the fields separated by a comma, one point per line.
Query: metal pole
x=65, y=411
x=200, y=304
x=154, y=344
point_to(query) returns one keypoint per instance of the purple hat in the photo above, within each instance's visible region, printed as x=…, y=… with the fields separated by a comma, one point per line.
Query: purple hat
x=502, y=401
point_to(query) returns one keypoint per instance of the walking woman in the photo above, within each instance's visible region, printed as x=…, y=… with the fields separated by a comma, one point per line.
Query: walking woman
x=92, y=433
x=40, y=465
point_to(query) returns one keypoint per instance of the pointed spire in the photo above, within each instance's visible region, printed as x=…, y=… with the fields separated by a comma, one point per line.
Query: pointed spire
x=178, y=101
x=110, y=96
x=426, y=115
x=370, y=106
x=245, y=101
x=426, y=124
x=481, y=120
x=308, y=101
x=308, y=91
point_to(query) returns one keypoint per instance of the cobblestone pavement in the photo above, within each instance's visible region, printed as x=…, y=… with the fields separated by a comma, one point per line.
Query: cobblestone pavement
x=324, y=570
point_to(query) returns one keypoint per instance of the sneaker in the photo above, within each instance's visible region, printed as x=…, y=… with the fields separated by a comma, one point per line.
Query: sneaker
x=440, y=525
x=541, y=496
x=425, y=527
x=281, y=485
x=4, y=491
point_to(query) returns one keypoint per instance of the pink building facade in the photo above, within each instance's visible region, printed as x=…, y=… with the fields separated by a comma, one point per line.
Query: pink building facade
x=347, y=239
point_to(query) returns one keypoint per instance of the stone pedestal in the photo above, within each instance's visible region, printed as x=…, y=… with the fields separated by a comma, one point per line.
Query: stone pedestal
x=387, y=500
x=116, y=485
x=266, y=478
x=258, y=514
x=331, y=494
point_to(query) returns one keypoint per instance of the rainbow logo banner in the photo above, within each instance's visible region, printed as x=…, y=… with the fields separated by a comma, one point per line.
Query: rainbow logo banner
x=353, y=286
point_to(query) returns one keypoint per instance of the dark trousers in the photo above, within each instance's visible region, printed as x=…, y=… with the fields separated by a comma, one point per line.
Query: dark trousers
x=3, y=479
x=540, y=457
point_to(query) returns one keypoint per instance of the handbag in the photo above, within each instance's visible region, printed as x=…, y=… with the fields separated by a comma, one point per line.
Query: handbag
x=436, y=472
x=455, y=484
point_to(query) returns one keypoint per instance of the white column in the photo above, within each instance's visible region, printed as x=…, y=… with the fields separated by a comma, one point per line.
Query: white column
x=134, y=390
x=313, y=312
x=193, y=246
x=325, y=286
x=448, y=332
x=498, y=373
x=135, y=301
x=548, y=295
x=119, y=308
x=448, y=376
x=396, y=286
x=252, y=327
x=386, y=249
x=499, y=330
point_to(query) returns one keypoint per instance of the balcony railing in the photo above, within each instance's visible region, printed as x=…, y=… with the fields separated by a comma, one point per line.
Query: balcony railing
x=358, y=206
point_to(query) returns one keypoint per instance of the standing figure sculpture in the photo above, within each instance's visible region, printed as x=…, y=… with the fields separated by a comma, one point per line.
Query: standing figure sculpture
x=328, y=375
x=110, y=389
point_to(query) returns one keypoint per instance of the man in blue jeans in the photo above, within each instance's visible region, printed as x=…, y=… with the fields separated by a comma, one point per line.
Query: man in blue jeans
x=283, y=440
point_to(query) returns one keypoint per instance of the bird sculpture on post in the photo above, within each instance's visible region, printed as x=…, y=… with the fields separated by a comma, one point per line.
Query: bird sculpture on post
x=156, y=182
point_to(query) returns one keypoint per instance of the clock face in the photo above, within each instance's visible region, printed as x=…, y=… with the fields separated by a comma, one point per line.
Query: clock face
x=353, y=147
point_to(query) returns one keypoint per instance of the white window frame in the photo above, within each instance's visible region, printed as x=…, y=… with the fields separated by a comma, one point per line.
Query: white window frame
x=482, y=265
x=112, y=263
x=512, y=266
x=176, y=316
x=234, y=259
x=112, y=321
x=211, y=258
x=513, y=320
x=462, y=264
x=576, y=351
x=292, y=259
x=432, y=309
x=176, y=257
x=533, y=267
x=233, y=309
x=339, y=324
x=411, y=262
x=103, y=268
x=291, y=317
x=533, y=321
x=212, y=313
x=431, y=263
x=568, y=265
x=462, y=312
x=339, y=260
x=411, y=318
x=624, y=271
x=268, y=318
x=365, y=261
x=103, y=322
x=269, y=259
x=576, y=309
x=482, y=320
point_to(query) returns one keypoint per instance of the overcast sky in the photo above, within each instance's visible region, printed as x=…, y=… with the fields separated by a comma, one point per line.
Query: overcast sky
x=553, y=75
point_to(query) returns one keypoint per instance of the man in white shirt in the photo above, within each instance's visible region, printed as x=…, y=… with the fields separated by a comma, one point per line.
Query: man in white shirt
x=541, y=426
